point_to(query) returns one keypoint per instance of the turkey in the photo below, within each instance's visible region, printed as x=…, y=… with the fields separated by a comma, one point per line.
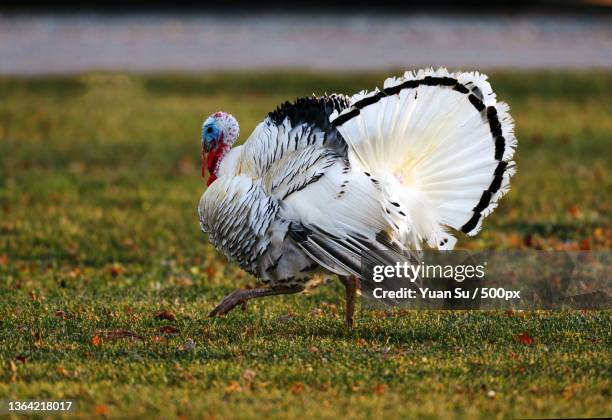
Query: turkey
x=323, y=179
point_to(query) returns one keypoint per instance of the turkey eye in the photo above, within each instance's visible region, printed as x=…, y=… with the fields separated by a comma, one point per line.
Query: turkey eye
x=209, y=130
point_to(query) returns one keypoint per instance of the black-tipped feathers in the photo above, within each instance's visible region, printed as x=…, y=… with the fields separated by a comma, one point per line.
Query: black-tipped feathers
x=311, y=110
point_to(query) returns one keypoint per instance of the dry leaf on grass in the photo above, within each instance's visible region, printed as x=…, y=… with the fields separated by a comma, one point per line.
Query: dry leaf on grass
x=233, y=387
x=165, y=314
x=101, y=410
x=168, y=329
x=380, y=389
x=525, y=338
x=297, y=388
x=62, y=371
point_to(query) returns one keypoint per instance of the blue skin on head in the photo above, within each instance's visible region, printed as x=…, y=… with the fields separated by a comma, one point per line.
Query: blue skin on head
x=210, y=134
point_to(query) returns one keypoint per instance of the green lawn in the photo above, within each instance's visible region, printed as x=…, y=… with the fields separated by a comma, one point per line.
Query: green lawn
x=99, y=180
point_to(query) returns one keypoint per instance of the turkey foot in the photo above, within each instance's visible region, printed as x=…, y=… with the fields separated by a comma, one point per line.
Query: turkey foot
x=240, y=297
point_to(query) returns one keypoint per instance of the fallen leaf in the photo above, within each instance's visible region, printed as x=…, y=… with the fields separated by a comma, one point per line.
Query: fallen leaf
x=127, y=242
x=101, y=410
x=165, y=315
x=297, y=388
x=575, y=212
x=380, y=389
x=525, y=338
x=233, y=387
x=168, y=329
x=514, y=240
x=62, y=371
x=585, y=245
x=95, y=340
x=4, y=259
x=74, y=273
x=570, y=390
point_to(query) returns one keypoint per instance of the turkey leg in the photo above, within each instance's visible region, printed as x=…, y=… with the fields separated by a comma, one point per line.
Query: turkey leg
x=351, y=285
x=240, y=297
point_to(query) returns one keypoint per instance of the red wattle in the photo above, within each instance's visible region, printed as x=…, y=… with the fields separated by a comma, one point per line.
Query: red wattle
x=213, y=160
x=214, y=156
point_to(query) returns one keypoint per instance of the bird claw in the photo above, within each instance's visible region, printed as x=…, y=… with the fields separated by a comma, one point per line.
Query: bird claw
x=240, y=297
x=229, y=303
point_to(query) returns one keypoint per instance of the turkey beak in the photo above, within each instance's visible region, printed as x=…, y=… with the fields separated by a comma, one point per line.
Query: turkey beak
x=207, y=146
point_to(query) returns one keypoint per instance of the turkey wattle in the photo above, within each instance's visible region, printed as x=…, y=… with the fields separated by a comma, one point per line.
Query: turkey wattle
x=323, y=179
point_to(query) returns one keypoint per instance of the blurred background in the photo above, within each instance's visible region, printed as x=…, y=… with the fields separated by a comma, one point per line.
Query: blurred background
x=149, y=37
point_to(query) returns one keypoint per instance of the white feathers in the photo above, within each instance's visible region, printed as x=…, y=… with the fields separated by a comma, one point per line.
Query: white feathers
x=435, y=132
x=428, y=153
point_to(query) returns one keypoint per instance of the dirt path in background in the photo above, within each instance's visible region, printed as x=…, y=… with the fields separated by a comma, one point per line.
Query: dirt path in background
x=66, y=44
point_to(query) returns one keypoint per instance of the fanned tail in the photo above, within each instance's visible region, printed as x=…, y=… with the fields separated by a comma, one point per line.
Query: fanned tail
x=439, y=145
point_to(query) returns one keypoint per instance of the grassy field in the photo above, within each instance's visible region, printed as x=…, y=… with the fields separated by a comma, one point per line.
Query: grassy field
x=106, y=279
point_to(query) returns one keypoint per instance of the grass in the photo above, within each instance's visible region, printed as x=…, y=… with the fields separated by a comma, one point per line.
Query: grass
x=98, y=236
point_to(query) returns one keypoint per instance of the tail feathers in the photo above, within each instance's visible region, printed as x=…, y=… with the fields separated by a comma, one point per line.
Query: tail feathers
x=445, y=139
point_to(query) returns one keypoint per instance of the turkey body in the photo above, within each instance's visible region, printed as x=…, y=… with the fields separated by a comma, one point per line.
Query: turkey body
x=321, y=180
